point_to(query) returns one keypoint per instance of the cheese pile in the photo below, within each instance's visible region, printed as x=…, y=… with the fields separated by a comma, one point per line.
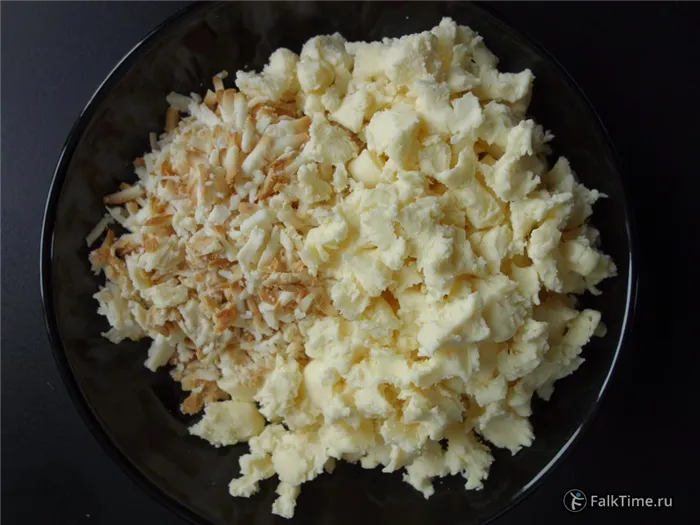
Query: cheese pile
x=361, y=254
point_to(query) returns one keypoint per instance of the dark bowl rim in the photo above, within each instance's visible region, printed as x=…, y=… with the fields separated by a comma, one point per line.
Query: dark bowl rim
x=92, y=418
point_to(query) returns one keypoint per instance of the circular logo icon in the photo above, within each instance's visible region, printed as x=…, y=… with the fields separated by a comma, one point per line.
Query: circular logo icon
x=575, y=500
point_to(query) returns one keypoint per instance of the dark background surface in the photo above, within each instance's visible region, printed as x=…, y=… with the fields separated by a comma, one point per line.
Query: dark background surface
x=637, y=62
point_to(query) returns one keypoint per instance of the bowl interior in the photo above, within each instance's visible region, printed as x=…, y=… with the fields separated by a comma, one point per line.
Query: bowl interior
x=134, y=412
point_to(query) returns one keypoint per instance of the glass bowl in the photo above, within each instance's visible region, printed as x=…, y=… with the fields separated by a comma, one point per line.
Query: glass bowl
x=133, y=413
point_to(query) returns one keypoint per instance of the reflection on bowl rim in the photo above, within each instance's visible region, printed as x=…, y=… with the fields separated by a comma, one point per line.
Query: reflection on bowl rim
x=92, y=418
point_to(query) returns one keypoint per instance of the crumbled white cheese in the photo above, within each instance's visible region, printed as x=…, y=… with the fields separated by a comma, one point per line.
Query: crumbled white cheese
x=360, y=255
x=229, y=422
